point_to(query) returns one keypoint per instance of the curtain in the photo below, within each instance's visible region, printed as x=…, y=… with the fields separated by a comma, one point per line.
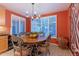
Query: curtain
x=74, y=31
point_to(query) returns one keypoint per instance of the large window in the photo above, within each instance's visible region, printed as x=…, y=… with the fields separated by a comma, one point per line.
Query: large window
x=47, y=25
x=17, y=24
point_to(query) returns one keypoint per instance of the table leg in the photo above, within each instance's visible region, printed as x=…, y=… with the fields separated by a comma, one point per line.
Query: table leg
x=34, y=50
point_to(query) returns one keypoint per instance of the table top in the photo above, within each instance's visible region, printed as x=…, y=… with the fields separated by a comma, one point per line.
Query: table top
x=34, y=40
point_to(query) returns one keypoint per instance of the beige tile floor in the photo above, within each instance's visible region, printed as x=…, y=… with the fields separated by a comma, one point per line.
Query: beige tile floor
x=54, y=51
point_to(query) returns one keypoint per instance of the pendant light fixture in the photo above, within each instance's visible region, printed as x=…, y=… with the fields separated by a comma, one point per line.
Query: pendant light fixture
x=35, y=12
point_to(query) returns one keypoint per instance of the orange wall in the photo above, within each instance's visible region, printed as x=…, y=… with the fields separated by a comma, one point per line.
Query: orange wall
x=62, y=24
x=8, y=18
x=28, y=24
x=69, y=20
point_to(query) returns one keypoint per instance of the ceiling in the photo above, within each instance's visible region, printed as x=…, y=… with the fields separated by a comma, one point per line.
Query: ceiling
x=40, y=8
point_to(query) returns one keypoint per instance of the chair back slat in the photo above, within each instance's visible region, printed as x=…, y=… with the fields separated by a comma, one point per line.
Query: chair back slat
x=18, y=41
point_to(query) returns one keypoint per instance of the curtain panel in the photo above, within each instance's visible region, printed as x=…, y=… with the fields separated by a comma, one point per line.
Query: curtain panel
x=74, y=28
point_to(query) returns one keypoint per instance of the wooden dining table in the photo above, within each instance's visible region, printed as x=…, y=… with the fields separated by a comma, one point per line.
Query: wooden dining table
x=34, y=42
x=31, y=40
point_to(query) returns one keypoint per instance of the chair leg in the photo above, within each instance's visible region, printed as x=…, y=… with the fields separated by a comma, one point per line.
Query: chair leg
x=48, y=52
x=21, y=51
x=14, y=52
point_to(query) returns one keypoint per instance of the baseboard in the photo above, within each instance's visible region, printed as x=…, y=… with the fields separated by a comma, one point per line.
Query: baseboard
x=55, y=44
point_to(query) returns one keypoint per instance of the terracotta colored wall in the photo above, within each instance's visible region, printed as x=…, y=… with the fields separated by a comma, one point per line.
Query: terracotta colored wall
x=8, y=18
x=62, y=23
x=28, y=24
x=69, y=20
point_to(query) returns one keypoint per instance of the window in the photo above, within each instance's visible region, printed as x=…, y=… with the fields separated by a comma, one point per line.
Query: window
x=21, y=25
x=17, y=24
x=47, y=25
x=44, y=25
x=52, y=26
x=14, y=25
x=36, y=25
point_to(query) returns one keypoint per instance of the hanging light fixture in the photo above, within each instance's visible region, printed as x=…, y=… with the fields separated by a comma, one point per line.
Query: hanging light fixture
x=34, y=12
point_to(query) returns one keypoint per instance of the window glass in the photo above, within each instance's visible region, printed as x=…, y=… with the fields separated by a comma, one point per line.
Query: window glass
x=36, y=25
x=17, y=25
x=52, y=26
x=47, y=25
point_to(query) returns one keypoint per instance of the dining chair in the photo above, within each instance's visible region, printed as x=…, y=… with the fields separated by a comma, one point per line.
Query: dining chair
x=44, y=47
x=19, y=48
x=63, y=42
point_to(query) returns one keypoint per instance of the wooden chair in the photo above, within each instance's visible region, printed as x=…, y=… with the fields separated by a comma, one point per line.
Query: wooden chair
x=44, y=47
x=63, y=42
x=19, y=48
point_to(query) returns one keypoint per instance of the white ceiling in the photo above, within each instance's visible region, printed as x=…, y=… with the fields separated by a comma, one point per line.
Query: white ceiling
x=40, y=8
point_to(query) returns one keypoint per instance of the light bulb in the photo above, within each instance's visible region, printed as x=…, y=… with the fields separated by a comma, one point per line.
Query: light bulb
x=35, y=12
x=27, y=16
x=39, y=16
x=32, y=17
x=27, y=12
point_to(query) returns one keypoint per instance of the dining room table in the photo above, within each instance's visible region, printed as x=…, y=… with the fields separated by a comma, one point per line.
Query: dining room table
x=34, y=42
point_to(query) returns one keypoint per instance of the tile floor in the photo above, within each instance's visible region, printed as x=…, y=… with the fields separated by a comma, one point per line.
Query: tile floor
x=55, y=51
